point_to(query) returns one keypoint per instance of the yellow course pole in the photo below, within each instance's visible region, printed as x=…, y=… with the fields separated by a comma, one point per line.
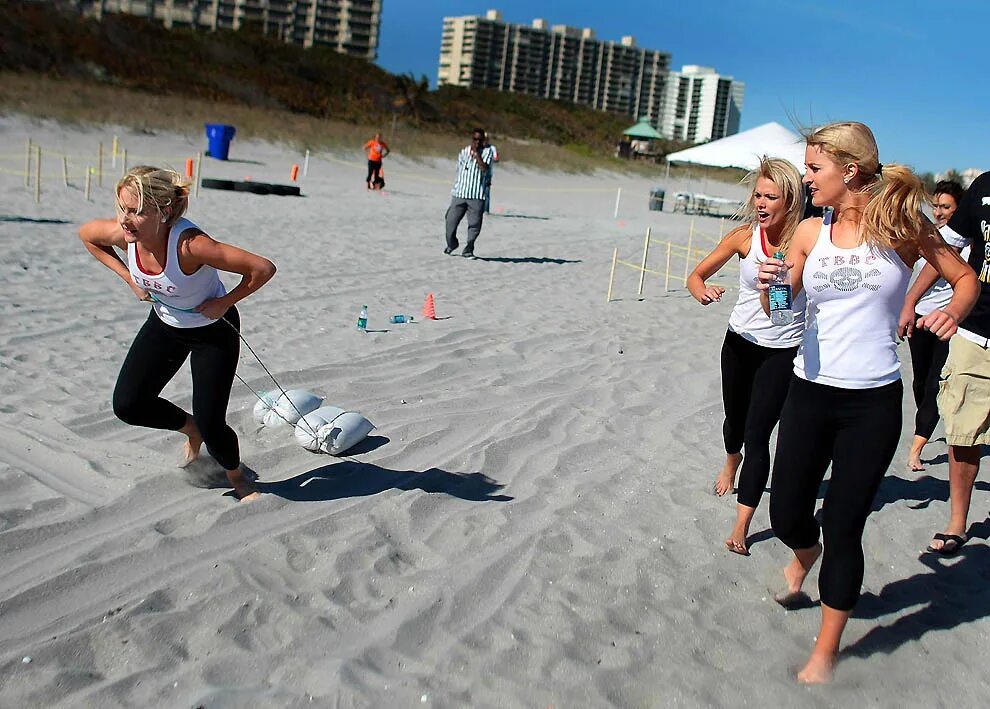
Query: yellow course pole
x=611, y=275
x=666, y=278
x=646, y=251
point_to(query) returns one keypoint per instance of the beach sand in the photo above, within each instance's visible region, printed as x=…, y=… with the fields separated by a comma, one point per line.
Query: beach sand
x=531, y=523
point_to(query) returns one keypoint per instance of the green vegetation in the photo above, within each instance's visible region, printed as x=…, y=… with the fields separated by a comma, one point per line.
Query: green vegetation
x=129, y=71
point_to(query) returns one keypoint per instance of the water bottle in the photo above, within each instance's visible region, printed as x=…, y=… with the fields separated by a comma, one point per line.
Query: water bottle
x=781, y=312
x=396, y=319
x=363, y=318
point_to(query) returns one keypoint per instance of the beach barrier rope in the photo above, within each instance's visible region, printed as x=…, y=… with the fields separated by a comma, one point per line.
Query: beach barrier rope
x=690, y=255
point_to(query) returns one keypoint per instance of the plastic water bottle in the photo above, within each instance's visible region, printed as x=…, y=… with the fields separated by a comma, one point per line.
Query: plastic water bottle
x=781, y=312
x=363, y=318
x=396, y=319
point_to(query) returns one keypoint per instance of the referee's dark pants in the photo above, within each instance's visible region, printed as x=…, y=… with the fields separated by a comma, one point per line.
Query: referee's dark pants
x=475, y=210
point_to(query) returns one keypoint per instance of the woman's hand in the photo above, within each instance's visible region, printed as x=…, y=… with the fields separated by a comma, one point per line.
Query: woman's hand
x=712, y=294
x=905, y=323
x=213, y=308
x=940, y=323
x=139, y=292
x=769, y=270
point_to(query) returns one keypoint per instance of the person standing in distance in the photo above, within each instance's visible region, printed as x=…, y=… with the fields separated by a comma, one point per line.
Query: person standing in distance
x=173, y=264
x=468, y=193
x=377, y=150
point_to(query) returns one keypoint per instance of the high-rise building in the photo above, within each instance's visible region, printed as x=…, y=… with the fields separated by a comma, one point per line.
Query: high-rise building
x=559, y=62
x=349, y=26
x=701, y=105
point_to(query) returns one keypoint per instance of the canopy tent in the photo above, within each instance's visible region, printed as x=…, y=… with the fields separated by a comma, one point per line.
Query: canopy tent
x=643, y=131
x=745, y=149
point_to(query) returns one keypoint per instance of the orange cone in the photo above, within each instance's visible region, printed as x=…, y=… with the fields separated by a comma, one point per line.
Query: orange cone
x=429, y=308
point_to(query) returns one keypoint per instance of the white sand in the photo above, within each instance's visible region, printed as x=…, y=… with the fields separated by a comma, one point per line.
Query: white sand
x=529, y=525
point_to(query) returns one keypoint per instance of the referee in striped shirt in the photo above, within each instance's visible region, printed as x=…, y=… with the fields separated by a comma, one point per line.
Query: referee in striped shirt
x=468, y=194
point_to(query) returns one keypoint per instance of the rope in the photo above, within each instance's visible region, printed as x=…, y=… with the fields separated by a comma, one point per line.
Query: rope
x=267, y=371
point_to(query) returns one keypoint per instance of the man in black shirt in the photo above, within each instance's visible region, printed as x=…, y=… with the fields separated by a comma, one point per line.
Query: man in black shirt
x=964, y=396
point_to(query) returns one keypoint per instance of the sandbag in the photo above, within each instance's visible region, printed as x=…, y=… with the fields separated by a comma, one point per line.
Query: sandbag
x=277, y=409
x=332, y=430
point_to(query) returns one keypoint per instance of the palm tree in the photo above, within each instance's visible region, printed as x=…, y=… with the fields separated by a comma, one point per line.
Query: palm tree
x=413, y=94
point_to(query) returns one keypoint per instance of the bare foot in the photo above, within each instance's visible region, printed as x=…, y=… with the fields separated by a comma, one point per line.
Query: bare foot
x=726, y=480
x=736, y=543
x=914, y=457
x=245, y=490
x=795, y=573
x=818, y=670
x=190, y=449
x=194, y=441
x=736, y=546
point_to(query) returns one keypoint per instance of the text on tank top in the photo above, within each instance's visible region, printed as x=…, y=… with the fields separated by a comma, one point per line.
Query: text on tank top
x=175, y=293
x=854, y=302
x=748, y=319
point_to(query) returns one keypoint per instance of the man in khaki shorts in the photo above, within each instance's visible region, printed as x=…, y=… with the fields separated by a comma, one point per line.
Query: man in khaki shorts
x=964, y=393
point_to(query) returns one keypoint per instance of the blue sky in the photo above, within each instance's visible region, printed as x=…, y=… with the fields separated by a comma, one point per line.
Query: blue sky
x=916, y=72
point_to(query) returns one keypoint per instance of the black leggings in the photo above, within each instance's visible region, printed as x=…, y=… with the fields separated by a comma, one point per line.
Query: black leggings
x=857, y=430
x=156, y=355
x=754, y=385
x=374, y=170
x=928, y=355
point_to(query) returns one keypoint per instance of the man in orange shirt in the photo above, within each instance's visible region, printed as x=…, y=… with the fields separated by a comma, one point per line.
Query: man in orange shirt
x=377, y=150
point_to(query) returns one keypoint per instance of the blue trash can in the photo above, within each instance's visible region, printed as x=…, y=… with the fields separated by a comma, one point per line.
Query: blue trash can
x=218, y=137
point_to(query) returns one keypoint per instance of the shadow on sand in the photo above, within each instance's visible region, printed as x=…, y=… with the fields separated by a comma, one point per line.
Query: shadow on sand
x=525, y=259
x=30, y=220
x=355, y=479
x=954, y=593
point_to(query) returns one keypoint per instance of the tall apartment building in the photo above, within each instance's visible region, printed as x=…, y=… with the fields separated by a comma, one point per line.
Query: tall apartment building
x=701, y=105
x=558, y=62
x=349, y=26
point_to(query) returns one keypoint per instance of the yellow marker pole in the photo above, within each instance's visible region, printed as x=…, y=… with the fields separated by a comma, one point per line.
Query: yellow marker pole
x=65, y=170
x=646, y=251
x=199, y=170
x=113, y=152
x=27, y=163
x=89, y=179
x=37, y=177
x=687, y=256
x=666, y=279
x=99, y=166
x=611, y=275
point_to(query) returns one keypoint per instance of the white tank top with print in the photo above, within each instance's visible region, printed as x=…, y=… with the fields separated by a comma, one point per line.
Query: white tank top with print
x=748, y=319
x=176, y=294
x=854, y=302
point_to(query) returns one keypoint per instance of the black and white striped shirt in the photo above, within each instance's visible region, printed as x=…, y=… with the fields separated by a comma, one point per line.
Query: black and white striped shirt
x=470, y=182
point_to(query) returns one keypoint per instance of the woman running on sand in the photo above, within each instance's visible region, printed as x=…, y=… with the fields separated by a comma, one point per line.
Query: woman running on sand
x=174, y=264
x=844, y=403
x=757, y=356
x=928, y=353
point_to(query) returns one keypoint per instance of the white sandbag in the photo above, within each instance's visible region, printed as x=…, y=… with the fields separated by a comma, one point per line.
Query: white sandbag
x=332, y=430
x=286, y=408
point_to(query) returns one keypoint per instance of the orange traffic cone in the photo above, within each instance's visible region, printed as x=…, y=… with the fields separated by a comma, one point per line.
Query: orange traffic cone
x=429, y=308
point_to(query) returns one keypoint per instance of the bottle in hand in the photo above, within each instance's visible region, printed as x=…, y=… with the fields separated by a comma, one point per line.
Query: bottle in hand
x=779, y=292
x=362, y=323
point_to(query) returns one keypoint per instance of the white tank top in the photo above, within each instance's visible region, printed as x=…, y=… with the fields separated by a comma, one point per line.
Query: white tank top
x=177, y=294
x=748, y=320
x=854, y=301
x=939, y=295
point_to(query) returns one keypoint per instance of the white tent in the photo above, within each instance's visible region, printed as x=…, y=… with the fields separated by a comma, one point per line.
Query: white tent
x=745, y=149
